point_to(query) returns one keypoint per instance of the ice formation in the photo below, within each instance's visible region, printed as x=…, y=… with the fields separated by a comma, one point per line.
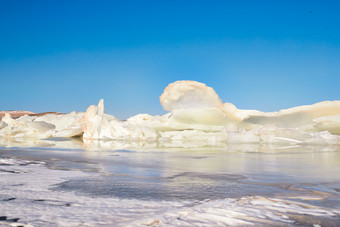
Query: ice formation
x=196, y=114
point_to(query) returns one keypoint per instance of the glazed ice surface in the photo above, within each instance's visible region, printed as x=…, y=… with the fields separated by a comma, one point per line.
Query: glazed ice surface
x=234, y=186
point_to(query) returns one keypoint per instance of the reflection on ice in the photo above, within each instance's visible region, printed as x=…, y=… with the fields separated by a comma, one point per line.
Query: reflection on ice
x=278, y=163
x=164, y=145
x=183, y=188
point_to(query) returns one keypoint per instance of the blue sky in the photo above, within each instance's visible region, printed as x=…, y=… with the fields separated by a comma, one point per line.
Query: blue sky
x=66, y=55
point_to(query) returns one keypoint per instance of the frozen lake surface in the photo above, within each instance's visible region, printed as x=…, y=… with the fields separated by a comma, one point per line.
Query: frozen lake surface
x=66, y=184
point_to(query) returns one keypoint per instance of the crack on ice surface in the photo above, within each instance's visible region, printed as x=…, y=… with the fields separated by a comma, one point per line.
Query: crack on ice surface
x=30, y=199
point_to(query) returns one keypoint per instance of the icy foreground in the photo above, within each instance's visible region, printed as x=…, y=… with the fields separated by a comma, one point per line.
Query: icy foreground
x=29, y=196
x=196, y=114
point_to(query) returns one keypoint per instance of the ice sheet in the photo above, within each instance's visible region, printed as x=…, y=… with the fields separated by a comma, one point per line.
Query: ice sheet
x=33, y=195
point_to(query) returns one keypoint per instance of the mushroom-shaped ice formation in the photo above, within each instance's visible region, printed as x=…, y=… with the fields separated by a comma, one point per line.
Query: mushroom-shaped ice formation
x=189, y=94
x=193, y=102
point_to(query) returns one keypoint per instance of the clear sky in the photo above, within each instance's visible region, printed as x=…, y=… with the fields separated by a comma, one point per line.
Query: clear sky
x=66, y=55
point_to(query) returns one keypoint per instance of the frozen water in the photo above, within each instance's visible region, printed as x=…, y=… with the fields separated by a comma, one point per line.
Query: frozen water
x=205, y=163
x=72, y=187
x=196, y=114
